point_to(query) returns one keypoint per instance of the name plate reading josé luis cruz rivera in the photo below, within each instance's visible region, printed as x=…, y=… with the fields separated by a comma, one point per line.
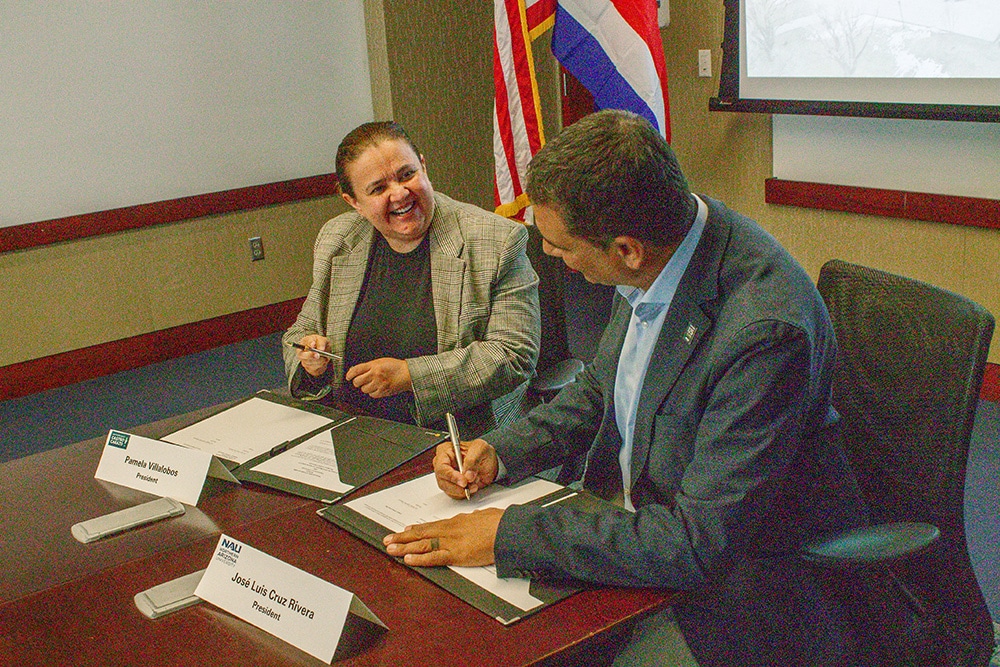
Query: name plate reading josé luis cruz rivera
x=291, y=604
x=154, y=466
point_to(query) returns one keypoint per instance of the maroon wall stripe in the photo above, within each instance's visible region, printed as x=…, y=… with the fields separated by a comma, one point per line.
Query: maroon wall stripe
x=21, y=237
x=970, y=211
x=58, y=370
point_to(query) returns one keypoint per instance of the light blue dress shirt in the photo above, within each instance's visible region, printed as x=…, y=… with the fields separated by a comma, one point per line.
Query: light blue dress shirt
x=649, y=309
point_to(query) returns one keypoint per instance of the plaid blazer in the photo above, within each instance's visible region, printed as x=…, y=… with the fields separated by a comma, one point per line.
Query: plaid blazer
x=485, y=305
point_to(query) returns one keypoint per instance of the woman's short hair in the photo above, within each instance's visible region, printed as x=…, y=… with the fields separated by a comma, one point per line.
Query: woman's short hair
x=612, y=174
x=360, y=139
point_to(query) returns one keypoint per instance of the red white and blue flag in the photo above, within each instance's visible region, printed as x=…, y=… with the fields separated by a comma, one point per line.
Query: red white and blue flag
x=612, y=47
x=517, y=117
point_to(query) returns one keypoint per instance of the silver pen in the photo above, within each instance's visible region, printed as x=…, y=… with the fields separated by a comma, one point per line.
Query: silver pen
x=453, y=434
x=322, y=353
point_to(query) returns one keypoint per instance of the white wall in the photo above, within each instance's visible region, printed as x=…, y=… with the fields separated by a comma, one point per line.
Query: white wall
x=115, y=103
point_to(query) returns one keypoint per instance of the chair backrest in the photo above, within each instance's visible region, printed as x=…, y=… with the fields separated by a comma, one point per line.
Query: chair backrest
x=554, y=346
x=910, y=366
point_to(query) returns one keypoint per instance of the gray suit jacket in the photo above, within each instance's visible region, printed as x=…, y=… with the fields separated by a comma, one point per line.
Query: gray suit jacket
x=731, y=468
x=485, y=305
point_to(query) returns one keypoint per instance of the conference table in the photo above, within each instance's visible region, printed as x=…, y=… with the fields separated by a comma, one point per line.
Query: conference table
x=67, y=603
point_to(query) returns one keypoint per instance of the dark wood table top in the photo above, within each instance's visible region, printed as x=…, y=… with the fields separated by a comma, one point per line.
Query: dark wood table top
x=62, y=602
x=46, y=493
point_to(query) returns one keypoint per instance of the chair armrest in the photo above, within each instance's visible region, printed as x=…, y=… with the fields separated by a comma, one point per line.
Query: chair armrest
x=882, y=543
x=556, y=376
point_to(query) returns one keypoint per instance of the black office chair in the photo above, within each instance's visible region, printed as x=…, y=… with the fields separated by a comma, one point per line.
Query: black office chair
x=911, y=363
x=556, y=366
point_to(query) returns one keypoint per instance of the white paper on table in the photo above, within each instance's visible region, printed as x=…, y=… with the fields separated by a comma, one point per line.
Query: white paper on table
x=313, y=462
x=248, y=429
x=420, y=500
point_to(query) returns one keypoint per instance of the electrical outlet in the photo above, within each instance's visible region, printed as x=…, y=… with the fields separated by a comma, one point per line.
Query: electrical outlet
x=705, y=62
x=256, y=248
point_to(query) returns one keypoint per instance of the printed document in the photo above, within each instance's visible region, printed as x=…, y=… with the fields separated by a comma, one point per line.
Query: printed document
x=314, y=462
x=248, y=429
x=420, y=500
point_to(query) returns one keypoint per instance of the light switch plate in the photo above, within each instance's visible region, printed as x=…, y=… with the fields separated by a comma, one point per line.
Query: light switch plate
x=705, y=62
x=663, y=12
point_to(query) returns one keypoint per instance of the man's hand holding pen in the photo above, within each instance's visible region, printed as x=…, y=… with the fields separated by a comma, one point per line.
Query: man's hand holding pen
x=479, y=463
x=465, y=539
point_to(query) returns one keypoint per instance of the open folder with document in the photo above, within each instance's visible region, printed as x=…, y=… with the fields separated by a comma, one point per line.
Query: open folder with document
x=303, y=448
x=371, y=517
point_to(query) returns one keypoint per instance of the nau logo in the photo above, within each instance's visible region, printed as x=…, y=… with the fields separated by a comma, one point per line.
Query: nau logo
x=119, y=440
x=232, y=546
x=689, y=334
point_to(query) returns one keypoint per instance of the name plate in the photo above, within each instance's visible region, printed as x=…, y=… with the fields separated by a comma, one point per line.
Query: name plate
x=154, y=466
x=291, y=604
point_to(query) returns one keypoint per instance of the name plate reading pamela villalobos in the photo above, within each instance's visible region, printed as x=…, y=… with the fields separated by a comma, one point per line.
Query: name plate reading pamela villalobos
x=291, y=604
x=153, y=466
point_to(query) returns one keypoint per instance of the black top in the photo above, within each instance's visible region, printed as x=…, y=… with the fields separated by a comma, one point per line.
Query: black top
x=394, y=317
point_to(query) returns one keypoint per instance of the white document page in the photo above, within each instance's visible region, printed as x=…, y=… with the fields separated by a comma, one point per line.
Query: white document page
x=420, y=500
x=313, y=462
x=248, y=429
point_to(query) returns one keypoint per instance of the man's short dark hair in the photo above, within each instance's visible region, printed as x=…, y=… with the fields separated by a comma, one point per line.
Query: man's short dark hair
x=612, y=174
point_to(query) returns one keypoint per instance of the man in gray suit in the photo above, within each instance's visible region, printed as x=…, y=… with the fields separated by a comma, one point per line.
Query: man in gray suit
x=704, y=416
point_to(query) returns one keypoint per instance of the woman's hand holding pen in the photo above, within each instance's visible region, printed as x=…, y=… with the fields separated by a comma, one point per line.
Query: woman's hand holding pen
x=313, y=363
x=378, y=378
x=479, y=463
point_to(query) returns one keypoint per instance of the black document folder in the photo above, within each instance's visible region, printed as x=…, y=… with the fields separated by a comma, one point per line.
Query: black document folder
x=483, y=600
x=365, y=448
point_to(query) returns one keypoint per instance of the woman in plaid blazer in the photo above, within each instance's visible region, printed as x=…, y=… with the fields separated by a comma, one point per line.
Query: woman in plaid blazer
x=477, y=327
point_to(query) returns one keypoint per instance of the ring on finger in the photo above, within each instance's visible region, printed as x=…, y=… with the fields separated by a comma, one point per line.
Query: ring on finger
x=435, y=544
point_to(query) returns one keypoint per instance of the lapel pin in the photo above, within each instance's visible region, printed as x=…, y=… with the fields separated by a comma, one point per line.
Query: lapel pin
x=689, y=334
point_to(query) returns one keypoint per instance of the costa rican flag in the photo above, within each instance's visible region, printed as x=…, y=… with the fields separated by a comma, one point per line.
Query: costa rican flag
x=613, y=47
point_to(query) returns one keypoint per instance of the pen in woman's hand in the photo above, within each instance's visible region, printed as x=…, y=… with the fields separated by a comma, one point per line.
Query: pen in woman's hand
x=453, y=434
x=322, y=353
